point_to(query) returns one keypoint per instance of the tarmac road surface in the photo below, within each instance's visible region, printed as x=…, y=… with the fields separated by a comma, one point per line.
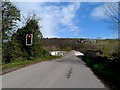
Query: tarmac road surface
x=67, y=72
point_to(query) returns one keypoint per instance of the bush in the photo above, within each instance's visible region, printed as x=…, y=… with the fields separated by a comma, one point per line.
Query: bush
x=11, y=51
x=68, y=49
x=106, y=69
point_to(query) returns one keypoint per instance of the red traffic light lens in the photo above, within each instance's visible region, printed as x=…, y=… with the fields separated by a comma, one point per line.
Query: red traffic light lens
x=29, y=36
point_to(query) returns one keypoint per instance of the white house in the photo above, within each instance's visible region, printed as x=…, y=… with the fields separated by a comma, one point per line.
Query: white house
x=57, y=53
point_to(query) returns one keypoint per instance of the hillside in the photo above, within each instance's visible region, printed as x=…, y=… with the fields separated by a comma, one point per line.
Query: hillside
x=107, y=46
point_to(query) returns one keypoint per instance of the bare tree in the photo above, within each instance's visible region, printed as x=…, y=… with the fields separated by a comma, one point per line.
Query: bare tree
x=112, y=11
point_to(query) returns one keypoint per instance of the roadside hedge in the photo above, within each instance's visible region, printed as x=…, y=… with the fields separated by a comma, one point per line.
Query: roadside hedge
x=106, y=69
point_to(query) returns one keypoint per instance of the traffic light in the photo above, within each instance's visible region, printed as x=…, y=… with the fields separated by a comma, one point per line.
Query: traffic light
x=29, y=39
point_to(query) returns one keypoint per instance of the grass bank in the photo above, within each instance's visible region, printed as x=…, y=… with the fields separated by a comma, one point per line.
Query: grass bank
x=107, y=70
x=14, y=65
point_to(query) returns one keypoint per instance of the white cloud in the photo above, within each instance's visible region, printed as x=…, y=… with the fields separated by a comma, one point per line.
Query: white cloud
x=69, y=13
x=99, y=12
x=64, y=0
x=105, y=10
x=52, y=16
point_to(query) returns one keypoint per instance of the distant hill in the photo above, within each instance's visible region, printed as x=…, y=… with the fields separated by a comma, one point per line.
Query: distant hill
x=105, y=45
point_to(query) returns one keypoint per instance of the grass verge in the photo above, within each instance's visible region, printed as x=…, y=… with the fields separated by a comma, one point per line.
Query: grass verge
x=17, y=65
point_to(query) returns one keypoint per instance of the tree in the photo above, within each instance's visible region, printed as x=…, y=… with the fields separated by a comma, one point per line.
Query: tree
x=16, y=49
x=31, y=27
x=113, y=13
x=10, y=16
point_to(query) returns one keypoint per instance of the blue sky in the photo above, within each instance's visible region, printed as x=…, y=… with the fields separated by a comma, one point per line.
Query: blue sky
x=69, y=19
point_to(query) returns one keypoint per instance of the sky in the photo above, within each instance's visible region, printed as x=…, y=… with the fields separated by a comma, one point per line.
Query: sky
x=69, y=19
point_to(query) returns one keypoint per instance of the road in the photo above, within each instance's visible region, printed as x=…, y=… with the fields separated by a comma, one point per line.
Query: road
x=67, y=72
